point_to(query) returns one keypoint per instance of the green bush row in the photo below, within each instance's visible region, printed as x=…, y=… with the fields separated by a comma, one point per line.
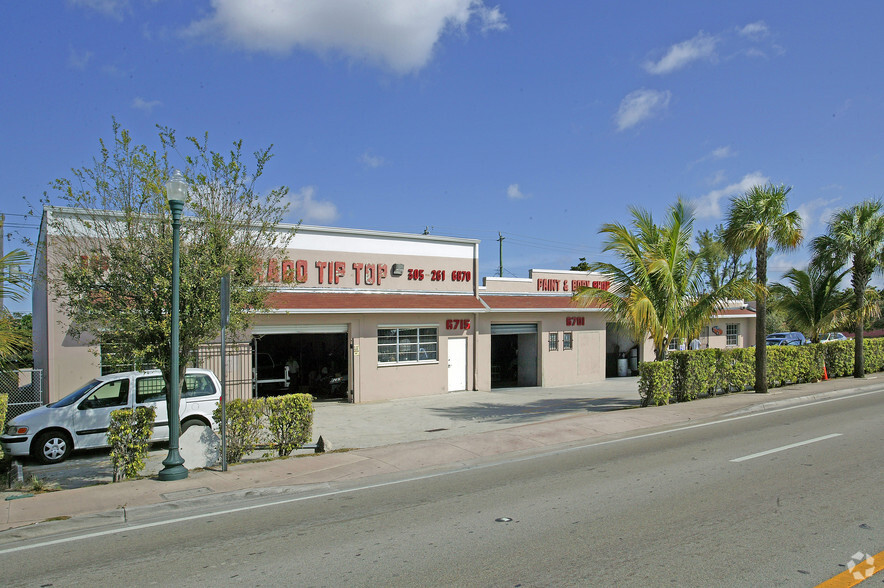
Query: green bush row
x=286, y=421
x=129, y=438
x=710, y=371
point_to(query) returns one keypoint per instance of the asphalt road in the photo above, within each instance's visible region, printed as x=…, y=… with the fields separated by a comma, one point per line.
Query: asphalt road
x=706, y=505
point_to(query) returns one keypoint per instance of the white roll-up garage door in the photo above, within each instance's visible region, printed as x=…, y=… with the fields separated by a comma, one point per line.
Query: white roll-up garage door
x=514, y=329
x=299, y=329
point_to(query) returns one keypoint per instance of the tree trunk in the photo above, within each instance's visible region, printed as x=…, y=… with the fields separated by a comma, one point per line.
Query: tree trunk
x=860, y=281
x=761, y=318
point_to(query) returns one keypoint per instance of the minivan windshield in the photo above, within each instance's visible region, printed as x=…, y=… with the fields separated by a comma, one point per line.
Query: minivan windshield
x=75, y=395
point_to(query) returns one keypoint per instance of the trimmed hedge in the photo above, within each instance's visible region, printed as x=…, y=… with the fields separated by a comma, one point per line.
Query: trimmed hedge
x=791, y=364
x=690, y=373
x=710, y=371
x=285, y=422
x=655, y=382
x=243, y=426
x=129, y=437
x=290, y=420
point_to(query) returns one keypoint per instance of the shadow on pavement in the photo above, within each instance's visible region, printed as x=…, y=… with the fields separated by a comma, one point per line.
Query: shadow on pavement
x=529, y=412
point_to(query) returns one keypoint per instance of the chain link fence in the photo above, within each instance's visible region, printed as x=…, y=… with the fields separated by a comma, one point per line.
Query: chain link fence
x=23, y=389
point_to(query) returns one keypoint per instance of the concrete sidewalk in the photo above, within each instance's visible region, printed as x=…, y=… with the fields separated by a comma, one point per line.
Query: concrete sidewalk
x=411, y=434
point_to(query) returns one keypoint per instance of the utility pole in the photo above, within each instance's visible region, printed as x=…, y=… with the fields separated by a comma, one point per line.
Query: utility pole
x=500, y=268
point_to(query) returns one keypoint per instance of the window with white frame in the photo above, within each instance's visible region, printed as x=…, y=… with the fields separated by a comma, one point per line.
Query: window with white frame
x=553, y=341
x=732, y=330
x=567, y=341
x=407, y=344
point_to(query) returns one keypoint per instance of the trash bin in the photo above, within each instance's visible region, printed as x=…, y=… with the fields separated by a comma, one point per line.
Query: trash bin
x=622, y=367
x=633, y=360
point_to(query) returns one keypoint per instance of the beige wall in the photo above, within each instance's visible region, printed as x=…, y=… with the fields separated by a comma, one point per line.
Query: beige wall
x=371, y=381
x=583, y=364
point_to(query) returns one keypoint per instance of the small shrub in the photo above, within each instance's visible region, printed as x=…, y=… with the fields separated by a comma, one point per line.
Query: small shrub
x=129, y=438
x=290, y=421
x=655, y=382
x=243, y=426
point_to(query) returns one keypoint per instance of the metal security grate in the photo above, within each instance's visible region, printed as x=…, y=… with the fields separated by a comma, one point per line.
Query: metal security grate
x=24, y=390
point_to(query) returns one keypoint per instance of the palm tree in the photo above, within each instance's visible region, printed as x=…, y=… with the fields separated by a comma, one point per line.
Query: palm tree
x=758, y=219
x=658, y=288
x=13, y=286
x=855, y=235
x=812, y=301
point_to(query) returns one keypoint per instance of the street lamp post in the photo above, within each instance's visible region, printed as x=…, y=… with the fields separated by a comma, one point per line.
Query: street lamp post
x=176, y=192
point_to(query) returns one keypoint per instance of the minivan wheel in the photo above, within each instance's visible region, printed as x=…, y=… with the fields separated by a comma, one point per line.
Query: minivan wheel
x=52, y=447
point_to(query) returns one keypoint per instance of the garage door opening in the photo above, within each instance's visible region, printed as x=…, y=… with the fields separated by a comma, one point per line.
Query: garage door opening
x=313, y=363
x=513, y=355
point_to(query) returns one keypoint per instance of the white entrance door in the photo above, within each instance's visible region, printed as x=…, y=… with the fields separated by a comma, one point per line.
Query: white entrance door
x=457, y=364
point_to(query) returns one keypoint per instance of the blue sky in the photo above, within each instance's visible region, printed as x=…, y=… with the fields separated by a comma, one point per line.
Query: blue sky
x=534, y=119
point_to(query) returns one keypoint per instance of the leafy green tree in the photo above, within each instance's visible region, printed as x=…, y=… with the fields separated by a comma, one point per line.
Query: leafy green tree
x=717, y=263
x=758, y=219
x=856, y=236
x=112, y=245
x=15, y=341
x=583, y=266
x=657, y=288
x=811, y=300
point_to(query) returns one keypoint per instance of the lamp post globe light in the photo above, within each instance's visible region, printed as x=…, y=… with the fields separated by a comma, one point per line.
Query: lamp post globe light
x=176, y=192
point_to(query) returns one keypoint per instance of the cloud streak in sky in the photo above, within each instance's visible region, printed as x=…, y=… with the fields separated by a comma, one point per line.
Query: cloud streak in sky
x=639, y=106
x=701, y=47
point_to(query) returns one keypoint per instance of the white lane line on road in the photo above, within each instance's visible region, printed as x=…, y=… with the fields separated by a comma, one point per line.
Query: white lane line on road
x=785, y=447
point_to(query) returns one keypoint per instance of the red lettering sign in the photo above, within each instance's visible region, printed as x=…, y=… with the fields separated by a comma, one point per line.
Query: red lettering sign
x=457, y=325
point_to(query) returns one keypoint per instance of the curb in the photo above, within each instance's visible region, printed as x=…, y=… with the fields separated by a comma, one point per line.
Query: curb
x=797, y=400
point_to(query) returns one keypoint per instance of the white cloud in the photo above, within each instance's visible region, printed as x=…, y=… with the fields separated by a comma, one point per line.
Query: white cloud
x=514, y=193
x=398, y=33
x=78, y=59
x=681, y=54
x=370, y=161
x=145, y=105
x=306, y=208
x=641, y=105
x=709, y=205
x=755, y=30
x=492, y=18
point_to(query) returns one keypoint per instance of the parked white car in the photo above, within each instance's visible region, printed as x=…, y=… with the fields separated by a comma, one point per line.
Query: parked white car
x=829, y=337
x=80, y=420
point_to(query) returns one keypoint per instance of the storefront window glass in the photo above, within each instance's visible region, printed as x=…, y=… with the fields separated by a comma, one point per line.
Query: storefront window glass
x=407, y=344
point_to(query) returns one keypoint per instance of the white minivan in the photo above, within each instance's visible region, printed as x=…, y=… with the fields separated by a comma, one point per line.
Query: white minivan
x=80, y=420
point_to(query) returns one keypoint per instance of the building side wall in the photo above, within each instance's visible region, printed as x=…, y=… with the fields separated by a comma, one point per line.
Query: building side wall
x=584, y=362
